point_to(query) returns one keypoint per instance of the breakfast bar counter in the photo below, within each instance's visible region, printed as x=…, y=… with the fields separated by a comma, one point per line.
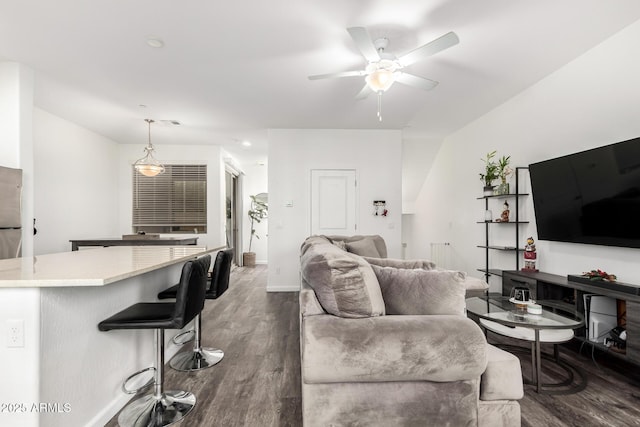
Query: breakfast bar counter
x=94, y=267
x=59, y=369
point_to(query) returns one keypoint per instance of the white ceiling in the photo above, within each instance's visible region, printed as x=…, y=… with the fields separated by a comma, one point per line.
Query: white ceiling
x=230, y=70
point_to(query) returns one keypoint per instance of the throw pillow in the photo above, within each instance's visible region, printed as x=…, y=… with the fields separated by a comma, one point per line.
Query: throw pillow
x=473, y=283
x=363, y=247
x=312, y=240
x=345, y=284
x=340, y=244
x=417, y=291
x=401, y=263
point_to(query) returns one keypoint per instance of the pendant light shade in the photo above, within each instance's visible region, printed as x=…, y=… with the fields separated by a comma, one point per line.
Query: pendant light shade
x=148, y=165
x=380, y=75
x=380, y=80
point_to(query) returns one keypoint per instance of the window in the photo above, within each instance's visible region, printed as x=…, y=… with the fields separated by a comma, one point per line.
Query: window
x=172, y=202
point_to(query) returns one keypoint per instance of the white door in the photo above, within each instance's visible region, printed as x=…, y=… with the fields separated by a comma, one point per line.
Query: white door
x=333, y=201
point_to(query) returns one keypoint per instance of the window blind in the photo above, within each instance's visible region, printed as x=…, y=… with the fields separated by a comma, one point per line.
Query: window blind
x=172, y=202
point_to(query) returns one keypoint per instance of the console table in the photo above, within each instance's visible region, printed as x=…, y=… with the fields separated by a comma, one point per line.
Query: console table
x=545, y=286
x=115, y=241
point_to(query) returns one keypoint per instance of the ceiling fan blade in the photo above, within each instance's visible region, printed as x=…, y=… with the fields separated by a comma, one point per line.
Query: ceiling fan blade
x=415, y=81
x=365, y=92
x=431, y=48
x=337, y=75
x=364, y=43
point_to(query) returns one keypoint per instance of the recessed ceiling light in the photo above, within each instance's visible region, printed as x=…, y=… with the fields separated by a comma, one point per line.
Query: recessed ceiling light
x=246, y=143
x=155, y=42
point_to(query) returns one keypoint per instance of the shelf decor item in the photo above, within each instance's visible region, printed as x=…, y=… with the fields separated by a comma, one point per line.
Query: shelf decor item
x=599, y=275
x=504, y=216
x=490, y=173
x=530, y=256
x=504, y=171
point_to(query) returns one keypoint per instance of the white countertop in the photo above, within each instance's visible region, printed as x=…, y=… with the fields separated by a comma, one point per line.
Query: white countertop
x=92, y=267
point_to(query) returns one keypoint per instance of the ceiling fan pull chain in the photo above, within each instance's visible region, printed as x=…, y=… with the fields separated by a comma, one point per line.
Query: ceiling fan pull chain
x=380, y=105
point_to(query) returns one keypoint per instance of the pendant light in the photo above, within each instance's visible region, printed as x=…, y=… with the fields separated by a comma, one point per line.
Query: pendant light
x=148, y=165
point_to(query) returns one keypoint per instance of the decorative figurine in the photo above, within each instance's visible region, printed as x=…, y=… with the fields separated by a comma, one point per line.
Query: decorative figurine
x=530, y=256
x=504, y=217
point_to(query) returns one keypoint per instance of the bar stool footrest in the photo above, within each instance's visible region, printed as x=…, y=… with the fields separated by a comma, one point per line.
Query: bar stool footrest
x=177, y=339
x=196, y=359
x=145, y=386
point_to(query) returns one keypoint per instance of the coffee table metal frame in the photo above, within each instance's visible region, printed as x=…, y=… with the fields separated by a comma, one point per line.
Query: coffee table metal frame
x=498, y=309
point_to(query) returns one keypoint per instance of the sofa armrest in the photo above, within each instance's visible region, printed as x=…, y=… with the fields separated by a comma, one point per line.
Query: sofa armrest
x=437, y=348
x=309, y=304
x=502, y=380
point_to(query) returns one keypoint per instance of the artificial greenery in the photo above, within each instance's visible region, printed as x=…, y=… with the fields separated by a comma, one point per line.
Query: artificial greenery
x=491, y=169
x=257, y=213
x=503, y=168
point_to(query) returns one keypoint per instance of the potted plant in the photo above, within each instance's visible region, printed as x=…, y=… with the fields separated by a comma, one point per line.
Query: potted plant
x=504, y=171
x=257, y=212
x=490, y=173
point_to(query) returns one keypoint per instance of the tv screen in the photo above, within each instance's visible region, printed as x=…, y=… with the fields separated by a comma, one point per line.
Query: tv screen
x=590, y=197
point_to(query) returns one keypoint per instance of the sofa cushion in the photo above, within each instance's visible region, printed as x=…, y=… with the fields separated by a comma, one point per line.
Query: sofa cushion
x=392, y=348
x=364, y=247
x=313, y=240
x=377, y=240
x=475, y=284
x=417, y=291
x=344, y=283
x=401, y=263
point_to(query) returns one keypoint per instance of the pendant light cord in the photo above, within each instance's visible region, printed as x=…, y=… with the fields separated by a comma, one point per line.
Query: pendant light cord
x=149, y=121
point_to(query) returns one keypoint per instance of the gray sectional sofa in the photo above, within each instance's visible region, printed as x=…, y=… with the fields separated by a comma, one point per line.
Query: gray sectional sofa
x=386, y=343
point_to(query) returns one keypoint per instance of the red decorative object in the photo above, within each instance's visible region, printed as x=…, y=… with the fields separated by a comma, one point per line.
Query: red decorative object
x=530, y=256
x=598, y=274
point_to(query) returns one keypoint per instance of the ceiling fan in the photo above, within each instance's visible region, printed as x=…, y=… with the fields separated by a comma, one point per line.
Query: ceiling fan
x=383, y=69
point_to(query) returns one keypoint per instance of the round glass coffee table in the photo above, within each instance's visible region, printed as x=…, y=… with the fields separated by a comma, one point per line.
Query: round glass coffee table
x=554, y=325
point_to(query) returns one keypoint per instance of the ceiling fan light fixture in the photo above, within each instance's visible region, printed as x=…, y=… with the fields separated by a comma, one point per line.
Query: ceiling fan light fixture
x=149, y=165
x=380, y=80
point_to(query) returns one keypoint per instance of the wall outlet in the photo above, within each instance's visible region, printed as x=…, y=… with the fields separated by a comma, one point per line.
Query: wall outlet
x=15, y=333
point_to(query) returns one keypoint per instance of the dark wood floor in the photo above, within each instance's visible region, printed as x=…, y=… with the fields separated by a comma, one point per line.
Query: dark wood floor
x=258, y=381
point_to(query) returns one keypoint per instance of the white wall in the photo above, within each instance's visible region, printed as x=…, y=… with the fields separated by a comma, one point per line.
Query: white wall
x=254, y=181
x=211, y=155
x=76, y=195
x=417, y=157
x=376, y=155
x=590, y=102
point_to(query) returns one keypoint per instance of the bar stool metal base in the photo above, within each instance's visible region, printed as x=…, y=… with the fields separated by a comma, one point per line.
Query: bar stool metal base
x=196, y=359
x=149, y=411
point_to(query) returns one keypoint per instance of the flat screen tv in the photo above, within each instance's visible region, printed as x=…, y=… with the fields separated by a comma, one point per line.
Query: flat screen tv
x=590, y=197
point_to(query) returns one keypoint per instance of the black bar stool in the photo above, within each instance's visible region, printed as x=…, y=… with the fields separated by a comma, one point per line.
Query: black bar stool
x=162, y=408
x=202, y=357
